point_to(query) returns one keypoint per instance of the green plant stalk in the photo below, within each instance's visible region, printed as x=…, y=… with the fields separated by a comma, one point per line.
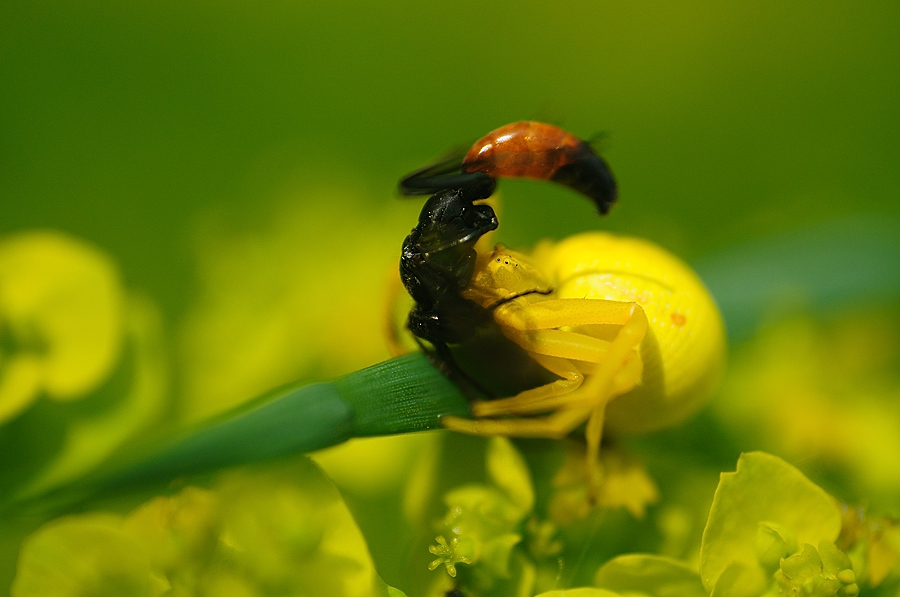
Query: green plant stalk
x=402, y=395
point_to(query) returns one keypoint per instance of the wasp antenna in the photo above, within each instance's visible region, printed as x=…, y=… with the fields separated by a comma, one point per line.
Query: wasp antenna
x=552, y=113
x=598, y=140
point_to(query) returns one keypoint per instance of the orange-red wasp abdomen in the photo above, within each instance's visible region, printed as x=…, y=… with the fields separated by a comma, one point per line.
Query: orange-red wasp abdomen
x=544, y=152
x=522, y=150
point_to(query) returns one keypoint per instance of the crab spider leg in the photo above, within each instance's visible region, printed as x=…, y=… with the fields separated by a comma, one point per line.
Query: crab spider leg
x=557, y=426
x=557, y=313
x=593, y=394
x=533, y=400
x=599, y=388
x=561, y=344
x=556, y=394
x=570, y=345
x=586, y=402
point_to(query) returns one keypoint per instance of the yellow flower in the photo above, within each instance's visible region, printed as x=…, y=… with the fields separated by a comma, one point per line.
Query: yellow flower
x=485, y=521
x=70, y=334
x=60, y=319
x=304, y=293
x=827, y=392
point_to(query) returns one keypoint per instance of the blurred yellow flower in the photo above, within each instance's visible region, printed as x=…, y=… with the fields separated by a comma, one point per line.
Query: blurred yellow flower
x=271, y=530
x=827, y=392
x=60, y=319
x=178, y=533
x=302, y=294
x=70, y=333
x=760, y=515
x=582, y=592
x=624, y=484
x=89, y=554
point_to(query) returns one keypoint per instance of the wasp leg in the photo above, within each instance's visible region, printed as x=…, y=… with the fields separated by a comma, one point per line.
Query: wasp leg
x=395, y=291
x=441, y=357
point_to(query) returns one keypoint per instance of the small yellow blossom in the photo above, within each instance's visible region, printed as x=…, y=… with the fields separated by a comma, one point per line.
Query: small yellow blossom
x=624, y=484
x=72, y=336
x=449, y=554
x=822, y=572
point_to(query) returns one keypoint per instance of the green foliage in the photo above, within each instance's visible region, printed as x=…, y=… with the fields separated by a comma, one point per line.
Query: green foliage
x=251, y=533
x=656, y=576
x=761, y=512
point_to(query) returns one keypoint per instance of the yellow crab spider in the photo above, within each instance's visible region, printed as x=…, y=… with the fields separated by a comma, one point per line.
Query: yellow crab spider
x=635, y=339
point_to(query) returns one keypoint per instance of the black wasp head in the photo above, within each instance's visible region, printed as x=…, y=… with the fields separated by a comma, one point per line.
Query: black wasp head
x=438, y=256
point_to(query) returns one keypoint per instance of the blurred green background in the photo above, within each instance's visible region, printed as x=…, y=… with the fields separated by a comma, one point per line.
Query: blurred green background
x=125, y=123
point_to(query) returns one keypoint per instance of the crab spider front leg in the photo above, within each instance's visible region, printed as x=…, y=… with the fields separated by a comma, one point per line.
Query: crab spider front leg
x=532, y=326
x=533, y=401
x=568, y=402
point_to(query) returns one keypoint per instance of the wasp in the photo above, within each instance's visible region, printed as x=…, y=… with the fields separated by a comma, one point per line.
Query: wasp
x=438, y=257
x=626, y=333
